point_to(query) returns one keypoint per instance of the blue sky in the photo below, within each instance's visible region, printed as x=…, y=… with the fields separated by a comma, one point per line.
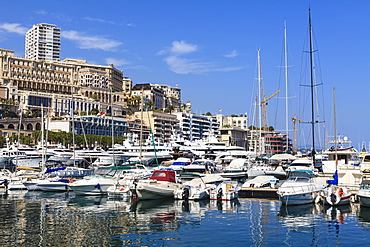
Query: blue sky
x=209, y=48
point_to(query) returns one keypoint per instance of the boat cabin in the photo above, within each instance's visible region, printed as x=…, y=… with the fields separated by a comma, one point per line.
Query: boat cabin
x=164, y=175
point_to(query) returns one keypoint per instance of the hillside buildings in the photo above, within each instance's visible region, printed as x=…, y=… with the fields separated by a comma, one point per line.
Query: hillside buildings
x=52, y=84
x=72, y=87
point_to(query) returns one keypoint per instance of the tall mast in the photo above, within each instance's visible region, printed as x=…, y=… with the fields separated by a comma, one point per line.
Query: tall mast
x=259, y=99
x=73, y=127
x=335, y=127
x=111, y=116
x=141, y=125
x=286, y=88
x=312, y=89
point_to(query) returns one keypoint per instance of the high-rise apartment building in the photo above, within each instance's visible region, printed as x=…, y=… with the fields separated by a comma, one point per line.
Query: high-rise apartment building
x=43, y=42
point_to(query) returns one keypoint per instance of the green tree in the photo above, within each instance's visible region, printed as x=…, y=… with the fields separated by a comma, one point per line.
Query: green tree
x=169, y=109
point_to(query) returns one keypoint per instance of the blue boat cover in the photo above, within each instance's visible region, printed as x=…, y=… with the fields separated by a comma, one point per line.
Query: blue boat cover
x=48, y=170
x=335, y=180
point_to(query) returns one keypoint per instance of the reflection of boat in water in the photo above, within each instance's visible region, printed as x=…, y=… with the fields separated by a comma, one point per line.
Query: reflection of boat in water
x=150, y=205
x=191, y=206
x=299, y=217
x=227, y=206
x=336, y=214
x=98, y=204
x=364, y=215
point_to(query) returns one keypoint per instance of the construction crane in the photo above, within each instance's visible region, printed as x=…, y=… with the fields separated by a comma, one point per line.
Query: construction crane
x=294, y=119
x=264, y=114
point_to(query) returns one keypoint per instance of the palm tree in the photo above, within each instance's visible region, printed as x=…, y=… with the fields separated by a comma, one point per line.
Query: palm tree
x=170, y=108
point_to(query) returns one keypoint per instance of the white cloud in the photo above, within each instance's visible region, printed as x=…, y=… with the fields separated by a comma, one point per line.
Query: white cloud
x=91, y=42
x=13, y=28
x=181, y=65
x=181, y=47
x=41, y=12
x=99, y=20
x=116, y=62
x=234, y=53
x=185, y=66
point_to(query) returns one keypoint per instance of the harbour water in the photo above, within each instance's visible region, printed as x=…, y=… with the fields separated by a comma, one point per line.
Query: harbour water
x=63, y=219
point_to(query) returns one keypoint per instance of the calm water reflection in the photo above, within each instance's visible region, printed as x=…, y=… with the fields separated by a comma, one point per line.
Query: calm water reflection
x=62, y=219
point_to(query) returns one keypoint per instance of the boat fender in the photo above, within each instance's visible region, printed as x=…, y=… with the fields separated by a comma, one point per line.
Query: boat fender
x=97, y=186
x=340, y=192
x=219, y=194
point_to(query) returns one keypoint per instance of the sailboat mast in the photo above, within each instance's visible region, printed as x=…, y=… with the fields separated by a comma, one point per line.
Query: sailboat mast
x=286, y=88
x=335, y=127
x=259, y=99
x=71, y=108
x=312, y=89
x=111, y=116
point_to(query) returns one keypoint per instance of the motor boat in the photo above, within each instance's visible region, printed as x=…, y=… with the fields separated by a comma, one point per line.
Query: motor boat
x=335, y=194
x=299, y=188
x=363, y=193
x=161, y=184
x=98, y=182
x=226, y=190
x=197, y=188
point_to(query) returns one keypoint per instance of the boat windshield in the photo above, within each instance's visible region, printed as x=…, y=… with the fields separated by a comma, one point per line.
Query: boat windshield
x=102, y=171
x=365, y=186
x=298, y=179
x=300, y=164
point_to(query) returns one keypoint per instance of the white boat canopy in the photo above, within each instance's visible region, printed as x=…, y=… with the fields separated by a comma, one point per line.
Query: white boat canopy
x=283, y=157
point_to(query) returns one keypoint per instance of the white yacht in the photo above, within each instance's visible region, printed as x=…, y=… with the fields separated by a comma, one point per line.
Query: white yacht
x=363, y=193
x=161, y=184
x=299, y=188
x=97, y=183
x=198, y=188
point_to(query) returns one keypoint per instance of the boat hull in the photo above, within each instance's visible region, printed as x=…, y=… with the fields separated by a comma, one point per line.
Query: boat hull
x=53, y=186
x=92, y=187
x=364, y=200
x=298, y=199
x=154, y=190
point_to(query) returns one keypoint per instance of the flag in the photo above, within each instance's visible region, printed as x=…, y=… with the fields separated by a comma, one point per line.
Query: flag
x=100, y=114
x=177, y=85
x=219, y=109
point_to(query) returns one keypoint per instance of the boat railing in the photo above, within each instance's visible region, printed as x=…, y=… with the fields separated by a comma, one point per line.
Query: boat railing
x=297, y=189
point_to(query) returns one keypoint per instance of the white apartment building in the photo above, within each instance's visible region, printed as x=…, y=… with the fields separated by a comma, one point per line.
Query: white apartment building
x=195, y=127
x=163, y=126
x=43, y=42
x=233, y=121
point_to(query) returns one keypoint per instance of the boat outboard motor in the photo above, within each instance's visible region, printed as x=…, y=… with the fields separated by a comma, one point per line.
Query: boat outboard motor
x=186, y=193
x=5, y=182
x=219, y=195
